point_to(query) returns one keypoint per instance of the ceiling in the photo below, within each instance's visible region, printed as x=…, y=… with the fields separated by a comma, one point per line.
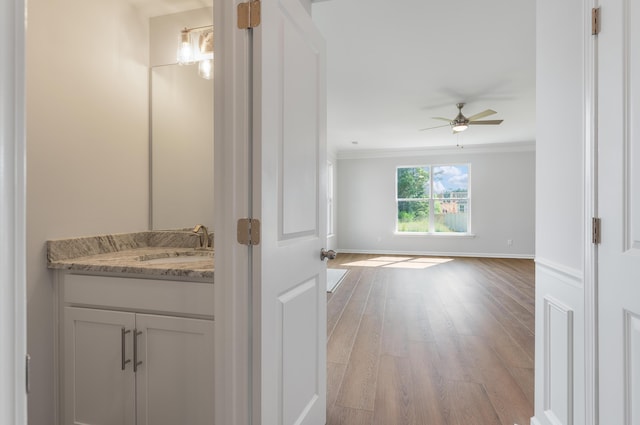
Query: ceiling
x=151, y=8
x=393, y=65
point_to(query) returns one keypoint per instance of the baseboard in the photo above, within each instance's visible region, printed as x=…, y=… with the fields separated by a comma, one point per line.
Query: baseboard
x=534, y=421
x=436, y=254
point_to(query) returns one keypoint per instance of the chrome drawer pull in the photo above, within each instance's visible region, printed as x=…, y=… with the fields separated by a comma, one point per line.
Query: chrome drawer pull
x=123, y=333
x=136, y=363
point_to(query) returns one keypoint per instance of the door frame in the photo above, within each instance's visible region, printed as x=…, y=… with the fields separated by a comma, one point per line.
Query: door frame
x=232, y=191
x=590, y=208
x=13, y=398
x=237, y=304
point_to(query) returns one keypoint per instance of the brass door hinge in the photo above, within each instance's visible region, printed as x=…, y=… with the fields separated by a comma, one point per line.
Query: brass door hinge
x=595, y=21
x=248, y=231
x=595, y=230
x=249, y=14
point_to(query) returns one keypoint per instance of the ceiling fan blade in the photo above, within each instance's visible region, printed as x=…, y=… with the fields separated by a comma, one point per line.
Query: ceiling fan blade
x=485, y=122
x=482, y=114
x=431, y=128
x=442, y=119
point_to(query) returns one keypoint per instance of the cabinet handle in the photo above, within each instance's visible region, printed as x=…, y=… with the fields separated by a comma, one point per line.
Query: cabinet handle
x=123, y=333
x=136, y=363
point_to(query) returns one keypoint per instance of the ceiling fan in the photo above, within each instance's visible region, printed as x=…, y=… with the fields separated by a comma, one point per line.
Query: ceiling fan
x=461, y=123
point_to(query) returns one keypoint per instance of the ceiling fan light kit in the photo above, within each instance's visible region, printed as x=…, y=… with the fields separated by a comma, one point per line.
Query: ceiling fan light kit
x=461, y=123
x=457, y=128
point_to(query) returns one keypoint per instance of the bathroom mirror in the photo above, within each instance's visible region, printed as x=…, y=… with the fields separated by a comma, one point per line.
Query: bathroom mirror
x=181, y=147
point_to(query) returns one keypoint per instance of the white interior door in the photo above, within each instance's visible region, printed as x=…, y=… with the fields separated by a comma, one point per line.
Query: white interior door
x=290, y=200
x=619, y=209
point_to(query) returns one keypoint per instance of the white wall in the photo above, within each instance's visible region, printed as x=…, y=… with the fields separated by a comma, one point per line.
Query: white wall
x=307, y=5
x=502, y=204
x=562, y=31
x=87, y=140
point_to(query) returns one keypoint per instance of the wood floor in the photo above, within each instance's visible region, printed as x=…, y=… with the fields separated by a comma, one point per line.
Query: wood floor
x=430, y=341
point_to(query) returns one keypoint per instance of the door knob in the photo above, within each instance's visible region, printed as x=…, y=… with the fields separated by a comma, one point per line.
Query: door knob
x=330, y=254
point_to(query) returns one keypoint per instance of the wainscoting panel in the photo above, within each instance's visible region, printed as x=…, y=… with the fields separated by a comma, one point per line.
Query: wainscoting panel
x=558, y=361
x=559, y=345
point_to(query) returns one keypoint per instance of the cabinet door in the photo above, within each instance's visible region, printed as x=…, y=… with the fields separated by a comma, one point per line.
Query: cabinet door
x=175, y=380
x=96, y=389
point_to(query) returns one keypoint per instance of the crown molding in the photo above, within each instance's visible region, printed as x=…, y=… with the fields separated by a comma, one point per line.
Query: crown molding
x=438, y=150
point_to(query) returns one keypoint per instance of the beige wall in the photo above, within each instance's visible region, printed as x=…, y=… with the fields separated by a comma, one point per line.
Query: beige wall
x=182, y=128
x=87, y=141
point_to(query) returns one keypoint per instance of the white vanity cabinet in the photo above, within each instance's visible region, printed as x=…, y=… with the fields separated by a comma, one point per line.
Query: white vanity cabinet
x=135, y=351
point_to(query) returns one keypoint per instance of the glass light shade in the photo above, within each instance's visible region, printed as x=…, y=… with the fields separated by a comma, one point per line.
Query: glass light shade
x=205, y=69
x=205, y=44
x=460, y=127
x=185, y=49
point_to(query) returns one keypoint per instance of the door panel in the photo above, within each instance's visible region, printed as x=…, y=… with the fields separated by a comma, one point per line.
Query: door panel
x=619, y=209
x=300, y=380
x=175, y=380
x=290, y=199
x=97, y=390
x=299, y=107
x=632, y=367
x=632, y=120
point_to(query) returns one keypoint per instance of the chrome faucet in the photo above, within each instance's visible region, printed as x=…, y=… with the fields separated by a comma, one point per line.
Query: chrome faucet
x=204, y=237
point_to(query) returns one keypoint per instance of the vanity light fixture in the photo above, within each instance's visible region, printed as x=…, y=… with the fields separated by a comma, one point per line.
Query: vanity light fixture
x=185, y=49
x=196, y=45
x=205, y=50
x=205, y=69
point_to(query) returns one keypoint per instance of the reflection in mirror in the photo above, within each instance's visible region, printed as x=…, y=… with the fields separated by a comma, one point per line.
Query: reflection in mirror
x=181, y=147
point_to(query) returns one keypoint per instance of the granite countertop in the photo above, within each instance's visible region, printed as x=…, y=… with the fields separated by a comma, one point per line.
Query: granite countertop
x=150, y=254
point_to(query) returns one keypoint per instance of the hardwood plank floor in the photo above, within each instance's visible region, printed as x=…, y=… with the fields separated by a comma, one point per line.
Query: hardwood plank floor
x=430, y=341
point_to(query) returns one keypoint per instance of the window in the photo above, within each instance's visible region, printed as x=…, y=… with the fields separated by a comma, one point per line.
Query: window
x=433, y=199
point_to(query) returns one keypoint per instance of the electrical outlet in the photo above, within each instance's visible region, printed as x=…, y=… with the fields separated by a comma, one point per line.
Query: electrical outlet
x=509, y=242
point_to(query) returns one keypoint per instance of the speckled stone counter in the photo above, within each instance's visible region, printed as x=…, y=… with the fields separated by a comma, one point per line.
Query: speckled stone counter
x=150, y=254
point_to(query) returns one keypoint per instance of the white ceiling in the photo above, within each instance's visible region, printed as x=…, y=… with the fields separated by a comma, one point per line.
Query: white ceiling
x=151, y=8
x=393, y=65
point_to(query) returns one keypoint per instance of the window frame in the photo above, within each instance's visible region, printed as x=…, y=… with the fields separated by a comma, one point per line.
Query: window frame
x=431, y=200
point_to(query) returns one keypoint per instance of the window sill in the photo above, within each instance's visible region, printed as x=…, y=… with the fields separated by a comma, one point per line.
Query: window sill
x=436, y=235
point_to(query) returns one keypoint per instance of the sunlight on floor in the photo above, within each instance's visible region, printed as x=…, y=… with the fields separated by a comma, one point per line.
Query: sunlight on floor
x=431, y=260
x=400, y=262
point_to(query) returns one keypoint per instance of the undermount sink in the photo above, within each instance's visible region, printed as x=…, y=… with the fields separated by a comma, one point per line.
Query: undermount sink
x=186, y=257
